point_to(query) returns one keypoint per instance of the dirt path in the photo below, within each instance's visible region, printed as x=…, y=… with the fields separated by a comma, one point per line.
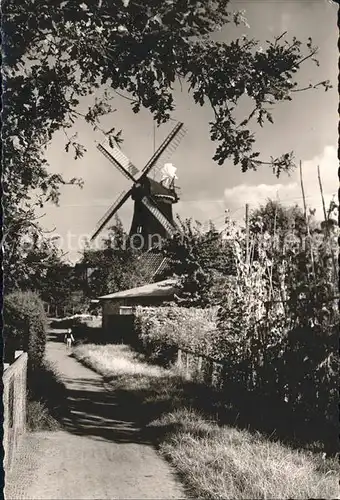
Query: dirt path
x=101, y=454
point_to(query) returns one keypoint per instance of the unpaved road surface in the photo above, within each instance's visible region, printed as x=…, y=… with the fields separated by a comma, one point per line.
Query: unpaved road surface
x=101, y=453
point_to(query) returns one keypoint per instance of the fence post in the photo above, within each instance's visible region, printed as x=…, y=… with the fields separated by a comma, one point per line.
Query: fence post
x=179, y=357
x=199, y=365
x=208, y=372
x=213, y=365
x=187, y=366
x=223, y=376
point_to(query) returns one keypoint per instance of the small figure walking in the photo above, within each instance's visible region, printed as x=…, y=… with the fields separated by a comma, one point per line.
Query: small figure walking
x=69, y=338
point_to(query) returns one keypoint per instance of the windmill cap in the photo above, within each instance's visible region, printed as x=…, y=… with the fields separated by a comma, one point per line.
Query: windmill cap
x=169, y=170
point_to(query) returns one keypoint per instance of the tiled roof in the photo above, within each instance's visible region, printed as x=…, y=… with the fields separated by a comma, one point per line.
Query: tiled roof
x=153, y=264
x=165, y=288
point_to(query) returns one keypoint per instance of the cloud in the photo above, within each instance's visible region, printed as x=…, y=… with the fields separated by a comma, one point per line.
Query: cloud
x=290, y=193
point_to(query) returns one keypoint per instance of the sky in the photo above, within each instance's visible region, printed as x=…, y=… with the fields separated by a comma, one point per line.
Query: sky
x=307, y=125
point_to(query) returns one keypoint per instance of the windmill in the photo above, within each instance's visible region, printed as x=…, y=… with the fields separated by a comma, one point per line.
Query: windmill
x=153, y=200
x=169, y=176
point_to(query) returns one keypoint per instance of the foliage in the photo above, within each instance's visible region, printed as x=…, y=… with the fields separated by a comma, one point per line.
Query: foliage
x=221, y=461
x=274, y=218
x=279, y=323
x=201, y=260
x=115, y=267
x=276, y=329
x=163, y=330
x=47, y=398
x=33, y=262
x=56, y=53
x=215, y=459
x=25, y=326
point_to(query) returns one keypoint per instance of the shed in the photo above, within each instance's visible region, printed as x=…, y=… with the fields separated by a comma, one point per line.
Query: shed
x=118, y=308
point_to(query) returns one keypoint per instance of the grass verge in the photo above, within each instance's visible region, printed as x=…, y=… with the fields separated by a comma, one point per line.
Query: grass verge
x=215, y=461
x=45, y=399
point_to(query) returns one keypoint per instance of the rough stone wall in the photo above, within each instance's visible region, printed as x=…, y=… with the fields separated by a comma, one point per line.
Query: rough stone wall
x=14, y=401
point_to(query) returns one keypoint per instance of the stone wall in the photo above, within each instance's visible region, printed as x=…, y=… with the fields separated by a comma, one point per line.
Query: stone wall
x=14, y=404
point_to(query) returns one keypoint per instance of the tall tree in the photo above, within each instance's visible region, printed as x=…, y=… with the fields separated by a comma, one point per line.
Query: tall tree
x=200, y=259
x=273, y=217
x=115, y=267
x=57, y=52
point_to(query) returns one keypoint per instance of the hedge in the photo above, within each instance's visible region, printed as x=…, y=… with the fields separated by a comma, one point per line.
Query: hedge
x=25, y=325
x=162, y=330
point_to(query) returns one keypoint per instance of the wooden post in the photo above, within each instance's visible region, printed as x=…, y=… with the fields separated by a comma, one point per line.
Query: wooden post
x=209, y=372
x=187, y=366
x=303, y=193
x=326, y=219
x=213, y=364
x=179, y=357
x=199, y=365
x=322, y=197
x=306, y=219
x=247, y=233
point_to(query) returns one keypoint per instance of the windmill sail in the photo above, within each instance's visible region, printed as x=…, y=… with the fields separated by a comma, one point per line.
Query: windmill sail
x=169, y=151
x=141, y=185
x=118, y=158
x=110, y=213
x=166, y=148
x=158, y=215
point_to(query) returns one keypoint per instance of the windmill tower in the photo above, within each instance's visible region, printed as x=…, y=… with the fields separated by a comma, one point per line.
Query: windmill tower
x=153, y=200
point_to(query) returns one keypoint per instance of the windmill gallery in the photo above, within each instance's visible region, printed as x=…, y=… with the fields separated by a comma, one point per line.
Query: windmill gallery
x=152, y=217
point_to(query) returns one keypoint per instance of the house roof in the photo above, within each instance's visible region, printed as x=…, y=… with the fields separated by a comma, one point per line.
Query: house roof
x=165, y=288
x=153, y=264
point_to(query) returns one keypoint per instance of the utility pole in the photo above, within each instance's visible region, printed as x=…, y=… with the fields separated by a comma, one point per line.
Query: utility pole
x=247, y=233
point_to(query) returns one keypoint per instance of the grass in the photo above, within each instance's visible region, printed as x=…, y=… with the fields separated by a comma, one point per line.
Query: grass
x=39, y=417
x=222, y=462
x=46, y=399
x=215, y=461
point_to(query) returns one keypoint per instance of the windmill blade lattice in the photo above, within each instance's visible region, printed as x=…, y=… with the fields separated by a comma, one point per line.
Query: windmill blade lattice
x=110, y=213
x=166, y=148
x=169, y=151
x=120, y=160
x=158, y=215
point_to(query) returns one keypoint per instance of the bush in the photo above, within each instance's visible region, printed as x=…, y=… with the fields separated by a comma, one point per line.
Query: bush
x=279, y=331
x=25, y=325
x=161, y=331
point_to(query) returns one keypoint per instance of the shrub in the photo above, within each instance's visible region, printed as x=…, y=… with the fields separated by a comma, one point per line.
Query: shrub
x=161, y=331
x=279, y=329
x=25, y=326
